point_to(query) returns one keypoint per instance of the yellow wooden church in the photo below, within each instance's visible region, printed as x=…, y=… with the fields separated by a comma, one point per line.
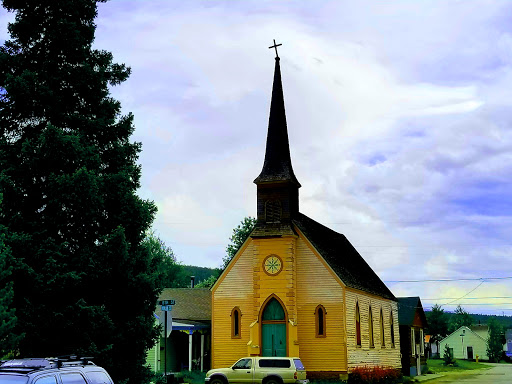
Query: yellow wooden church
x=296, y=287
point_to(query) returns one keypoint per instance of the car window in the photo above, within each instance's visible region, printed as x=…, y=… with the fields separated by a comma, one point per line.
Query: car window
x=274, y=363
x=12, y=379
x=72, y=378
x=98, y=377
x=242, y=364
x=298, y=364
x=51, y=379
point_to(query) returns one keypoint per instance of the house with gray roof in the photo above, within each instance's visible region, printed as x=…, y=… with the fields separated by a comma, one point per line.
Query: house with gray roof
x=185, y=342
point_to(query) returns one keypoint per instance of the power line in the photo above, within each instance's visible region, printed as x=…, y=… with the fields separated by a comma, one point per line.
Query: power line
x=483, y=304
x=469, y=298
x=443, y=280
x=462, y=297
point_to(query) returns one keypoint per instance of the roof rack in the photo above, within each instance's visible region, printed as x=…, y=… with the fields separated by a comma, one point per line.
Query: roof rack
x=32, y=364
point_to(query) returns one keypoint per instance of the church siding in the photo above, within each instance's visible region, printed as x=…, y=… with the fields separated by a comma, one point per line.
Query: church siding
x=281, y=285
x=235, y=290
x=319, y=286
x=365, y=355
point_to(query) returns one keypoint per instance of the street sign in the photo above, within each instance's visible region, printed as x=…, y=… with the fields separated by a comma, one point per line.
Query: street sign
x=166, y=307
x=167, y=302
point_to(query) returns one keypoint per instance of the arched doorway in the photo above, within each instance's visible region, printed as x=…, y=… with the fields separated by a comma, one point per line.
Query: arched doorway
x=273, y=329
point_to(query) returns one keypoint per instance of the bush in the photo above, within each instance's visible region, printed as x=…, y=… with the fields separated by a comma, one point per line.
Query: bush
x=192, y=377
x=374, y=375
x=448, y=356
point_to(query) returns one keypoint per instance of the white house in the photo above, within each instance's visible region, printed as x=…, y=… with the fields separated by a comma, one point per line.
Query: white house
x=467, y=342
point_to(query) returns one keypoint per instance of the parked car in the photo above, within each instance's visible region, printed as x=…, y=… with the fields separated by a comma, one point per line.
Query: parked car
x=260, y=370
x=52, y=371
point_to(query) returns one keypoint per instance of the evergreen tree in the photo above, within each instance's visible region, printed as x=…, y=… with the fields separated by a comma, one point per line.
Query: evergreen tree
x=495, y=341
x=460, y=318
x=448, y=355
x=240, y=234
x=437, y=324
x=83, y=280
x=8, y=339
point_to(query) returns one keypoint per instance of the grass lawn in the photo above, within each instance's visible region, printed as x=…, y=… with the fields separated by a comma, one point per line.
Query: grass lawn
x=437, y=366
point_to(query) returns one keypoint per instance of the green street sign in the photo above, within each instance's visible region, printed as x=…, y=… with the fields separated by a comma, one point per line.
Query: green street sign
x=167, y=302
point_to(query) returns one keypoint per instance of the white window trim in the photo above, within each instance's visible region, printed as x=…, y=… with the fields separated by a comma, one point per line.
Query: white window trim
x=413, y=343
x=422, y=343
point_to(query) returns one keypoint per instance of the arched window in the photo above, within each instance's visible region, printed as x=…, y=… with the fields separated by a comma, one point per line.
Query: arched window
x=382, y=340
x=320, y=321
x=392, y=328
x=235, y=323
x=358, y=325
x=370, y=327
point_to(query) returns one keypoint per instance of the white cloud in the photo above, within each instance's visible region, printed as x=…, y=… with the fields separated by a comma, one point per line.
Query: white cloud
x=398, y=117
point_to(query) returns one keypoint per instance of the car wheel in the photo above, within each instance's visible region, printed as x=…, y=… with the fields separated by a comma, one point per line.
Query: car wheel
x=273, y=381
x=217, y=380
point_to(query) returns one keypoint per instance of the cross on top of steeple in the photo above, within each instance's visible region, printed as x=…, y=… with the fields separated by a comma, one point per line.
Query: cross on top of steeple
x=275, y=47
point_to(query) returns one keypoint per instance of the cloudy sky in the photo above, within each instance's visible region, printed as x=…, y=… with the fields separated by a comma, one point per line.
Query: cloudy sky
x=399, y=118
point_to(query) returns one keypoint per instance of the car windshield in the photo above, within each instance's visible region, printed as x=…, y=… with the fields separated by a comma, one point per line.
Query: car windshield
x=13, y=379
x=242, y=364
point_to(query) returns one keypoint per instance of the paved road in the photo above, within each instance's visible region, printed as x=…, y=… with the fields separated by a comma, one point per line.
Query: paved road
x=498, y=374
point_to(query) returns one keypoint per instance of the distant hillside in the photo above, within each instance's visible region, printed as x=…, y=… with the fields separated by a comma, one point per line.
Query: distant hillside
x=200, y=273
x=505, y=321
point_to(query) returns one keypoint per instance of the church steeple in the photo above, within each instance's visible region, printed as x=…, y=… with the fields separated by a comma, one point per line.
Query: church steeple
x=278, y=164
x=278, y=188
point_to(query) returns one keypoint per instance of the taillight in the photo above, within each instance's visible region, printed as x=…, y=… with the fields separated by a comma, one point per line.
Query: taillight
x=295, y=375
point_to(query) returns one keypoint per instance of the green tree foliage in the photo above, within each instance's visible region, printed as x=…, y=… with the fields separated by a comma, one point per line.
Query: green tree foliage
x=448, y=355
x=171, y=272
x=240, y=234
x=495, y=341
x=460, y=318
x=200, y=273
x=83, y=280
x=437, y=324
x=207, y=283
x=8, y=338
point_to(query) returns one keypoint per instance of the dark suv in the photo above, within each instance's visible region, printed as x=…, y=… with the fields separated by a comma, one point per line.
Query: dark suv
x=52, y=371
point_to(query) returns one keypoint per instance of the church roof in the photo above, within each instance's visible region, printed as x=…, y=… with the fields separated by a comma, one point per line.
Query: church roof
x=277, y=166
x=407, y=308
x=342, y=257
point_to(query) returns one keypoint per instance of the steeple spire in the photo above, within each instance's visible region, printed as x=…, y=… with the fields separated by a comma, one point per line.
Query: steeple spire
x=277, y=166
x=278, y=188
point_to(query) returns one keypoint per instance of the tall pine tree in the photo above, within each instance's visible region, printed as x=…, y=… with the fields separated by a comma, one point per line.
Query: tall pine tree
x=437, y=324
x=495, y=340
x=8, y=339
x=83, y=280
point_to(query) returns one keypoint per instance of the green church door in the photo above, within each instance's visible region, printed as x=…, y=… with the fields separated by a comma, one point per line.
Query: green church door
x=273, y=329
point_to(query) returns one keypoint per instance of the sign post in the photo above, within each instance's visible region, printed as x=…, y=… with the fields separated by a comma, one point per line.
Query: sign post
x=166, y=306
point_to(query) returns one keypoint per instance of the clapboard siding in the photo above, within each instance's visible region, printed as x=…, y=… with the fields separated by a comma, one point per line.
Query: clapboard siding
x=280, y=285
x=305, y=282
x=235, y=290
x=387, y=355
x=319, y=286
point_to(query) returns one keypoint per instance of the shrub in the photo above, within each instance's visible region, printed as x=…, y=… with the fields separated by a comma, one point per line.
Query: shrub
x=374, y=375
x=448, y=355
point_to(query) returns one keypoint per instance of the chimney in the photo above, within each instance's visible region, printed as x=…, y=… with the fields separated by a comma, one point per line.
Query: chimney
x=192, y=280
